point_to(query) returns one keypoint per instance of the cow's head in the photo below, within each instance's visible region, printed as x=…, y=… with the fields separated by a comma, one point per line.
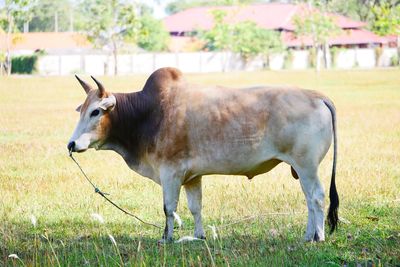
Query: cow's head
x=94, y=123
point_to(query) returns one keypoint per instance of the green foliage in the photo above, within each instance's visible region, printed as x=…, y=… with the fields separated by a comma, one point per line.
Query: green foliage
x=110, y=24
x=43, y=16
x=317, y=25
x=24, y=64
x=245, y=38
x=356, y=9
x=220, y=36
x=11, y=11
x=250, y=40
x=107, y=23
x=360, y=10
x=387, y=19
x=288, y=59
x=153, y=36
x=394, y=61
x=180, y=5
x=312, y=57
x=335, y=54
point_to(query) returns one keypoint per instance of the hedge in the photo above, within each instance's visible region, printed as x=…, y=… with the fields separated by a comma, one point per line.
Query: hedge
x=24, y=64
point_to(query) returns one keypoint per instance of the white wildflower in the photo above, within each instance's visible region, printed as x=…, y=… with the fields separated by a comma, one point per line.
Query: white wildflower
x=273, y=232
x=187, y=238
x=177, y=219
x=14, y=256
x=97, y=217
x=112, y=239
x=214, y=231
x=33, y=220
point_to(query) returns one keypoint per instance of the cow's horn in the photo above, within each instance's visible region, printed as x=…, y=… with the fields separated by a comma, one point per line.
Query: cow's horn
x=100, y=86
x=85, y=86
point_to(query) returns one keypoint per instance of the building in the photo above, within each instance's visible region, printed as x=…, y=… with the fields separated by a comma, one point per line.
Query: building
x=48, y=42
x=271, y=16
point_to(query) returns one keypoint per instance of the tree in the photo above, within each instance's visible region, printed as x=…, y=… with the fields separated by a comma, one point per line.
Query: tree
x=319, y=27
x=153, y=35
x=180, y=5
x=11, y=11
x=109, y=24
x=387, y=22
x=245, y=38
x=361, y=10
x=249, y=40
x=51, y=15
x=220, y=36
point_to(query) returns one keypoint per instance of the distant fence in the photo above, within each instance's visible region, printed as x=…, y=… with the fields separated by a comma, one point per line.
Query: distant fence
x=206, y=62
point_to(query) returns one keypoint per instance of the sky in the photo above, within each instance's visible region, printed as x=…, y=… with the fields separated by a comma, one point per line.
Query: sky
x=158, y=7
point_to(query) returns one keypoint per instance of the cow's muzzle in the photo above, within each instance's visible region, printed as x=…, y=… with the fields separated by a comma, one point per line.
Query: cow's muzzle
x=71, y=146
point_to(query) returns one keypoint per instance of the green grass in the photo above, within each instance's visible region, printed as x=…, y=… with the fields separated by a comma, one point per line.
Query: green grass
x=37, y=178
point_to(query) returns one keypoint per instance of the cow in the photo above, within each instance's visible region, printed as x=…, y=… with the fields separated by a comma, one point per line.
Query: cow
x=174, y=133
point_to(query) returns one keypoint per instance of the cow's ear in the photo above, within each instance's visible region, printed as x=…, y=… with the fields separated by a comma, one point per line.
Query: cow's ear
x=108, y=103
x=78, y=109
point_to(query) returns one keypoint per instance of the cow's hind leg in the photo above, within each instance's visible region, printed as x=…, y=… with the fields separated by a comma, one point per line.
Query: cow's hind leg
x=194, y=194
x=314, y=193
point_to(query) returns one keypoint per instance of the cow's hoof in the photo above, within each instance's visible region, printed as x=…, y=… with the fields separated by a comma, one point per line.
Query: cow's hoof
x=314, y=238
x=200, y=235
x=318, y=238
x=309, y=238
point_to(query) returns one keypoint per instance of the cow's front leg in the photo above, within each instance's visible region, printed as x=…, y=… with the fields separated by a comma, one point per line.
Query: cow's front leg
x=193, y=193
x=171, y=186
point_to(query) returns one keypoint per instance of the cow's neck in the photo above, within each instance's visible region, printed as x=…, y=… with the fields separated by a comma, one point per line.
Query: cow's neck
x=134, y=122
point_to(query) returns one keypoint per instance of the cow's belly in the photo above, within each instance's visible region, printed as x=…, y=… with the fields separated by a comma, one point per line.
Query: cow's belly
x=239, y=156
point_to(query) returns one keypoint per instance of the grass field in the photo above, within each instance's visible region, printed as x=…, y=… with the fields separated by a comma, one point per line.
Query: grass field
x=37, y=178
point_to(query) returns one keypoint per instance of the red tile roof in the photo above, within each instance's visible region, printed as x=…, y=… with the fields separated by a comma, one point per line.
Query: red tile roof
x=46, y=41
x=269, y=16
x=347, y=37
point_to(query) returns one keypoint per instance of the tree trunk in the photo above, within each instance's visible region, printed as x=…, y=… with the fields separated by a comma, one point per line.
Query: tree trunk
x=115, y=53
x=224, y=60
x=8, y=43
x=327, y=58
x=317, y=57
x=26, y=27
x=266, y=61
x=56, y=21
x=71, y=21
x=398, y=50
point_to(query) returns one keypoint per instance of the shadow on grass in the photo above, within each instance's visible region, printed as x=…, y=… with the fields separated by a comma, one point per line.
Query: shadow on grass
x=89, y=243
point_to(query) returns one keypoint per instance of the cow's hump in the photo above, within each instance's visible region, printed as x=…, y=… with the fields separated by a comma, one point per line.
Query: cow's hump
x=163, y=79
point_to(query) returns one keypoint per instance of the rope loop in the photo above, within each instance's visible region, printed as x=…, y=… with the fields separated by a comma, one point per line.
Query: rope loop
x=97, y=190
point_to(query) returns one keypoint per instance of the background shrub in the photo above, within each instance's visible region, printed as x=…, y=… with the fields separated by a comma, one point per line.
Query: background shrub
x=24, y=64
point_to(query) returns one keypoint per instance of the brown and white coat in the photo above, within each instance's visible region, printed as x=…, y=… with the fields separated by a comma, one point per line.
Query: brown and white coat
x=174, y=133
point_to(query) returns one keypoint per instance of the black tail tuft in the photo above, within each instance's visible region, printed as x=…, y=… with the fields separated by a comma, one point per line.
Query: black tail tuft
x=333, y=195
x=333, y=207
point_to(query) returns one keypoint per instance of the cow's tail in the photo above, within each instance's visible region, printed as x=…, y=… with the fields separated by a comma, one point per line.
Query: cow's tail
x=333, y=195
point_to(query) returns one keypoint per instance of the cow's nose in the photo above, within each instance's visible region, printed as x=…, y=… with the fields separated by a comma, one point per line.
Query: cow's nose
x=71, y=146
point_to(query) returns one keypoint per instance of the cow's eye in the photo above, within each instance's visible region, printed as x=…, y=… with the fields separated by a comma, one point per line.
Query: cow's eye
x=94, y=113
